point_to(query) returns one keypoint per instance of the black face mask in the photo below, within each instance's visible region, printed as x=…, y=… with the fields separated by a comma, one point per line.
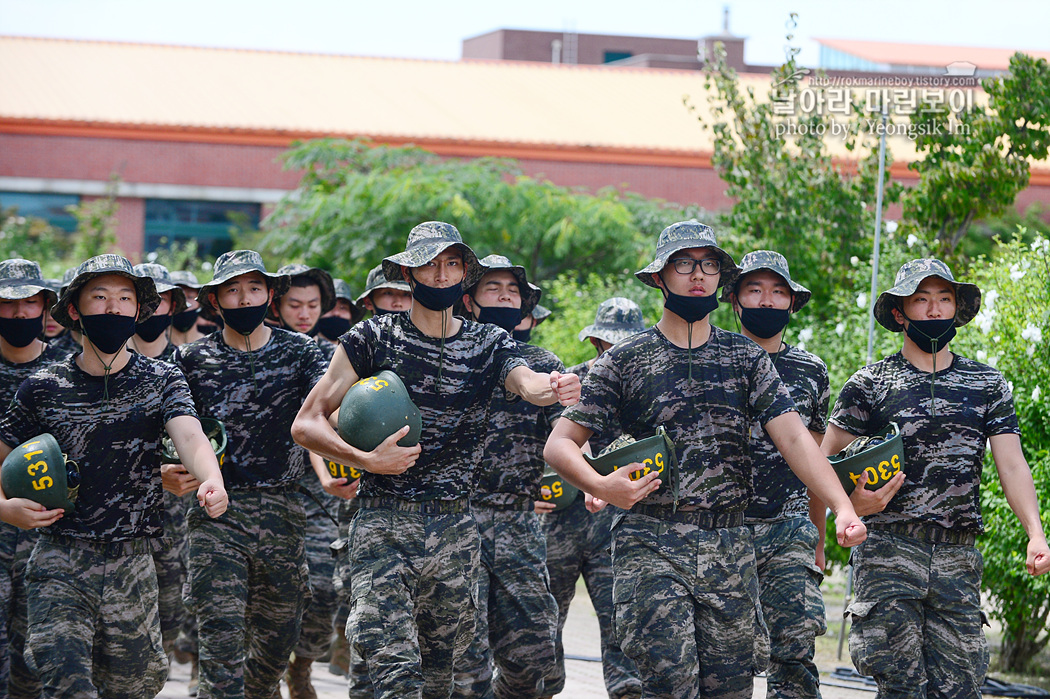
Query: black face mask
x=149, y=330
x=690, y=308
x=244, y=319
x=437, y=299
x=521, y=335
x=505, y=318
x=926, y=333
x=108, y=332
x=333, y=327
x=20, y=332
x=185, y=320
x=208, y=328
x=764, y=322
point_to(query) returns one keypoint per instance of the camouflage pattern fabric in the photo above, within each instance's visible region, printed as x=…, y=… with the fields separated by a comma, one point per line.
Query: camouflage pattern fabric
x=145, y=290
x=687, y=611
x=327, y=349
x=616, y=319
x=792, y=606
x=318, y=619
x=233, y=264
x=909, y=276
x=578, y=543
x=776, y=263
x=916, y=617
x=943, y=456
x=598, y=442
x=778, y=491
x=21, y=279
x=511, y=464
x=93, y=624
x=377, y=280
x=474, y=365
x=643, y=382
x=248, y=586
x=162, y=280
x=257, y=395
x=682, y=236
x=120, y=498
x=530, y=293
x=425, y=242
x=170, y=562
x=64, y=346
x=517, y=615
x=358, y=682
x=413, y=598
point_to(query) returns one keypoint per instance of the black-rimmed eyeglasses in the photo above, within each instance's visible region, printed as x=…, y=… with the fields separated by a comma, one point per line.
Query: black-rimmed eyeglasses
x=686, y=265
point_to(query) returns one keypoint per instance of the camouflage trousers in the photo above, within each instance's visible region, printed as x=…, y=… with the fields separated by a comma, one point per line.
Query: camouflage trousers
x=413, y=597
x=687, y=609
x=94, y=630
x=360, y=686
x=319, y=616
x=517, y=615
x=792, y=606
x=170, y=562
x=16, y=681
x=578, y=544
x=248, y=585
x=916, y=617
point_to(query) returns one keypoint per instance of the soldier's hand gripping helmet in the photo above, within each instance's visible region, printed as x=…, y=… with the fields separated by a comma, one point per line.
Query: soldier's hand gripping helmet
x=656, y=453
x=38, y=470
x=556, y=490
x=882, y=456
x=214, y=430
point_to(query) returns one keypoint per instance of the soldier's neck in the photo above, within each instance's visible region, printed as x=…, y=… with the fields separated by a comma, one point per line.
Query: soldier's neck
x=253, y=341
x=677, y=330
x=21, y=355
x=149, y=349
x=95, y=363
x=430, y=322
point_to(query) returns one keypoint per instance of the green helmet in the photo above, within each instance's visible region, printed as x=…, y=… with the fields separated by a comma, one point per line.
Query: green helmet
x=882, y=456
x=214, y=430
x=555, y=489
x=656, y=453
x=38, y=470
x=375, y=408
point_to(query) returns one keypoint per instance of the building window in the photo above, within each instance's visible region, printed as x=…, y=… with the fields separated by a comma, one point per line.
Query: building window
x=170, y=221
x=50, y=207
x=611, y=56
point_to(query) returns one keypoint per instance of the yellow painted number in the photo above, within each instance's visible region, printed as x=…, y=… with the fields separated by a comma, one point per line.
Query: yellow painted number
x=648, y=466
x=38, y=467
x=341, y=471
x=42, y=483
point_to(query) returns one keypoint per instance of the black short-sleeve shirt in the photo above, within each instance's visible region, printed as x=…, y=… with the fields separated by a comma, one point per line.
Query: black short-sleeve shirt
x=473, y=365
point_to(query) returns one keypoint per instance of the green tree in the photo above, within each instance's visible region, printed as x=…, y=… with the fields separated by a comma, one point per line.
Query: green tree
x=974, y=163
x=96, y=224
x=356, y=203
x=789, y=193
x=34, y=239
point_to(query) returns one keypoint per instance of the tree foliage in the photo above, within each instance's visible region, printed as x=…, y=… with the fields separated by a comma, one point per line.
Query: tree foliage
x=974, y=163
x=356, y=203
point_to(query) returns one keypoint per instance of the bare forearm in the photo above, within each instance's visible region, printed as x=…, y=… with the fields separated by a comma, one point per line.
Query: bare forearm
x=1019, y=489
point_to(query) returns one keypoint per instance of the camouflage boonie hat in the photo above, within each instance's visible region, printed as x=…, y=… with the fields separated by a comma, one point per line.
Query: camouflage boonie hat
x=909, y=276
x=425, y=242
x=163, y=281
x=530, y=293
x=318, y=276
x=145, y=289
x=233, y=264
x=617, y=319
x=378, y=280
x=540, y=313
x=342, y=291
x=776, y=263
x=185, y=278
x=681, y=236
x=67, y=277
x=21, y=279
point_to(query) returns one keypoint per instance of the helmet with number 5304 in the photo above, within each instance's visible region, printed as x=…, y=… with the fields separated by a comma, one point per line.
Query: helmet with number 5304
x=882, y=456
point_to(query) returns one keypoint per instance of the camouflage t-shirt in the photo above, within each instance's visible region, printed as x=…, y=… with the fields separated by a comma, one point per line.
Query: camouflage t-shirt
x=512, y=463
x=116, y=445
x=12, y=375
x=643, y=382
x=943, y=454
x=778, y=491
x=65, y=345
x=327, y=349
x=474, y=364
x=257, y=395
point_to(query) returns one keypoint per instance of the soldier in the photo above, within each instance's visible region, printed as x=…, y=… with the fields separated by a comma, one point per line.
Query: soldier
x=248, y=580
x=152, y=336
x=916, y=612
x=186, y=326
x=578, y=540
x=25, y=299
x=523, y=330
x=685, y=587
x=310, y=295
x=517, y=615
x=764, y=296
x=91, y=584
x=414, y=545
x=382, y=295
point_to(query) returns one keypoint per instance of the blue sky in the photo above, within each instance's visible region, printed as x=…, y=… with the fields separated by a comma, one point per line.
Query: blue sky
x=417, y=29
